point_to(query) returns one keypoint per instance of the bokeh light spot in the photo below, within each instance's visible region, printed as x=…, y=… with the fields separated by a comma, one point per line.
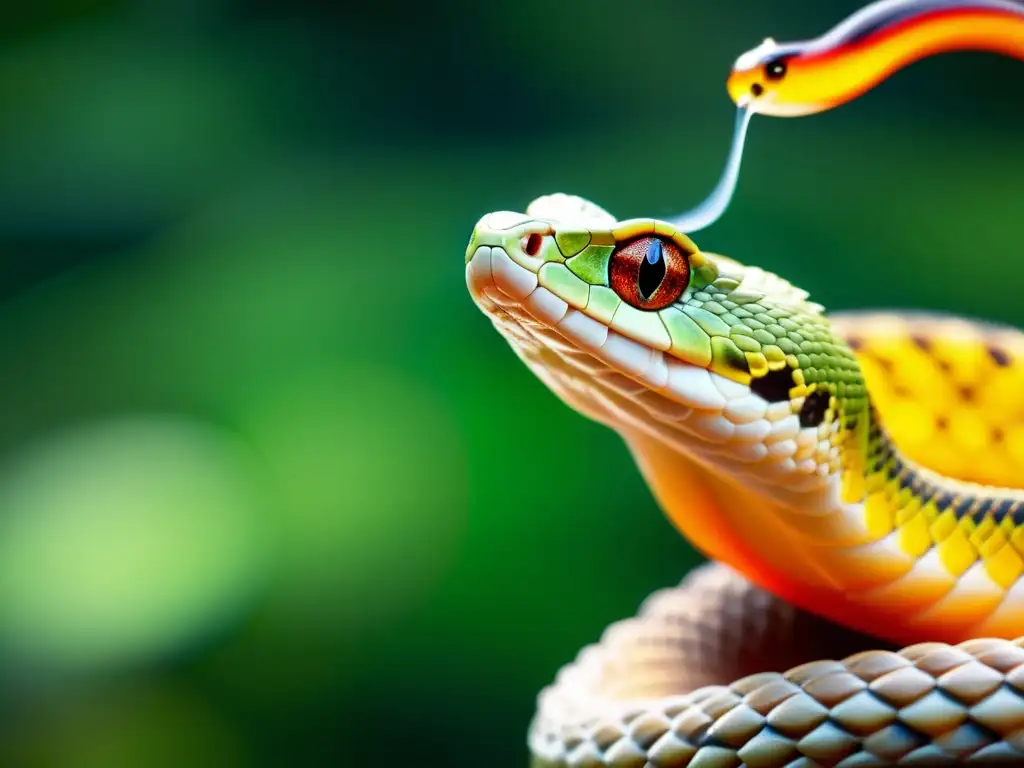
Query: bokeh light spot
x=125, y=539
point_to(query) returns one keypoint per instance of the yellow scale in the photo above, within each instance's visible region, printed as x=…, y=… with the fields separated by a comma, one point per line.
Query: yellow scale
x=950, y=394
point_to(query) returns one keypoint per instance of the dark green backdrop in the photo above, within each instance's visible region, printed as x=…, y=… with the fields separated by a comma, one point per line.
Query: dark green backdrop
x=272, y=491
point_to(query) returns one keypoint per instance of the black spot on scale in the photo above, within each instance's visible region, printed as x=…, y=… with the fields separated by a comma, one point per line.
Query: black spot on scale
x=774, y=386
x=814, y=409
x=962, y=508
x=1002, y=510
x=925, y=492
x=999, y=356
x=979, y=513
x=882, y=458
x=942, y=501
x=922, y=343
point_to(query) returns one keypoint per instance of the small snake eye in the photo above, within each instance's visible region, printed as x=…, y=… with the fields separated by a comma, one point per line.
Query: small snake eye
x=649, y=273
x=775, y=69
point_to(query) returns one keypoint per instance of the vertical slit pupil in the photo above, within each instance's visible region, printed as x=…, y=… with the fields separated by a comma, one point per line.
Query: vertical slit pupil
x=652, y=270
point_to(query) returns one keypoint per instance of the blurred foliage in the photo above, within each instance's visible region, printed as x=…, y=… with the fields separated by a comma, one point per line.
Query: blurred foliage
x=272, y=491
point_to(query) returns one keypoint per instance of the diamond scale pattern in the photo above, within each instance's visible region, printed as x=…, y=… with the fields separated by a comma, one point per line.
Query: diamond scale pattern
x=928, y=704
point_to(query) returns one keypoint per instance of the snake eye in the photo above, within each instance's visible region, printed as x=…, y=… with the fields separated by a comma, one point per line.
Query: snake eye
x=649, y=273
x=775, y=69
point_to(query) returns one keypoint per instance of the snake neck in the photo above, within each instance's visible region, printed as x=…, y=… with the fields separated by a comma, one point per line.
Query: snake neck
x=884, y=531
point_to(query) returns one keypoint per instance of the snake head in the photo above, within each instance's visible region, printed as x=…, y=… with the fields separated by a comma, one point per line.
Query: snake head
x=632, y=324
x=775, y=79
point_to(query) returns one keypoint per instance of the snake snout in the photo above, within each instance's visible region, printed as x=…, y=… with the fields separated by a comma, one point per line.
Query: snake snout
x=505, y=253
x=517, y=233
x=491, y=273
x=505, y=257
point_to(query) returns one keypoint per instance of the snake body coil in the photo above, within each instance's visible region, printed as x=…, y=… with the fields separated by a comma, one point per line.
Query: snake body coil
x=622, y=702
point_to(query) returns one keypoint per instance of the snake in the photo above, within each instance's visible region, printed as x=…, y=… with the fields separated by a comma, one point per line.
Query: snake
x=855, y=479
x=812, y=76
x=802, y=78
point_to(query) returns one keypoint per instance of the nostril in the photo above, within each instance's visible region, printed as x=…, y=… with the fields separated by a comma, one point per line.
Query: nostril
x=757, y=89
x=531, y=244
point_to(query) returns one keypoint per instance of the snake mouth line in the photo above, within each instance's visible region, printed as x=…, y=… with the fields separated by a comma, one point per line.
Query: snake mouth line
x=629, y=385
x=508, y=292
x=636, y=386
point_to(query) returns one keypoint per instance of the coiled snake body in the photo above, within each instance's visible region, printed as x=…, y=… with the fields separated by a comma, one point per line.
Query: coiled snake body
x=856, y=478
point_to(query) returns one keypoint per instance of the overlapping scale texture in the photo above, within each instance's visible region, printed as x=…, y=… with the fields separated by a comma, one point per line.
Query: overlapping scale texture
x=623, y=702
x=758, y=334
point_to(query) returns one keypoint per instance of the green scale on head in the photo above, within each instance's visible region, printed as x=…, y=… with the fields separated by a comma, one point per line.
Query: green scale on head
x=741, y=323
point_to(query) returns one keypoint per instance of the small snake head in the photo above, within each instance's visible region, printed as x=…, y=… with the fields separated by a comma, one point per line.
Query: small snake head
x=773, y=79
x=632, y=324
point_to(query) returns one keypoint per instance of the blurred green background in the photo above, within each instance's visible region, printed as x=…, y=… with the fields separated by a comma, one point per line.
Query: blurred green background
x=272, y=491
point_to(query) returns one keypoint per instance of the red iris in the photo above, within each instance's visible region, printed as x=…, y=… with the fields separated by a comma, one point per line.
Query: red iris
x=649, y=273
